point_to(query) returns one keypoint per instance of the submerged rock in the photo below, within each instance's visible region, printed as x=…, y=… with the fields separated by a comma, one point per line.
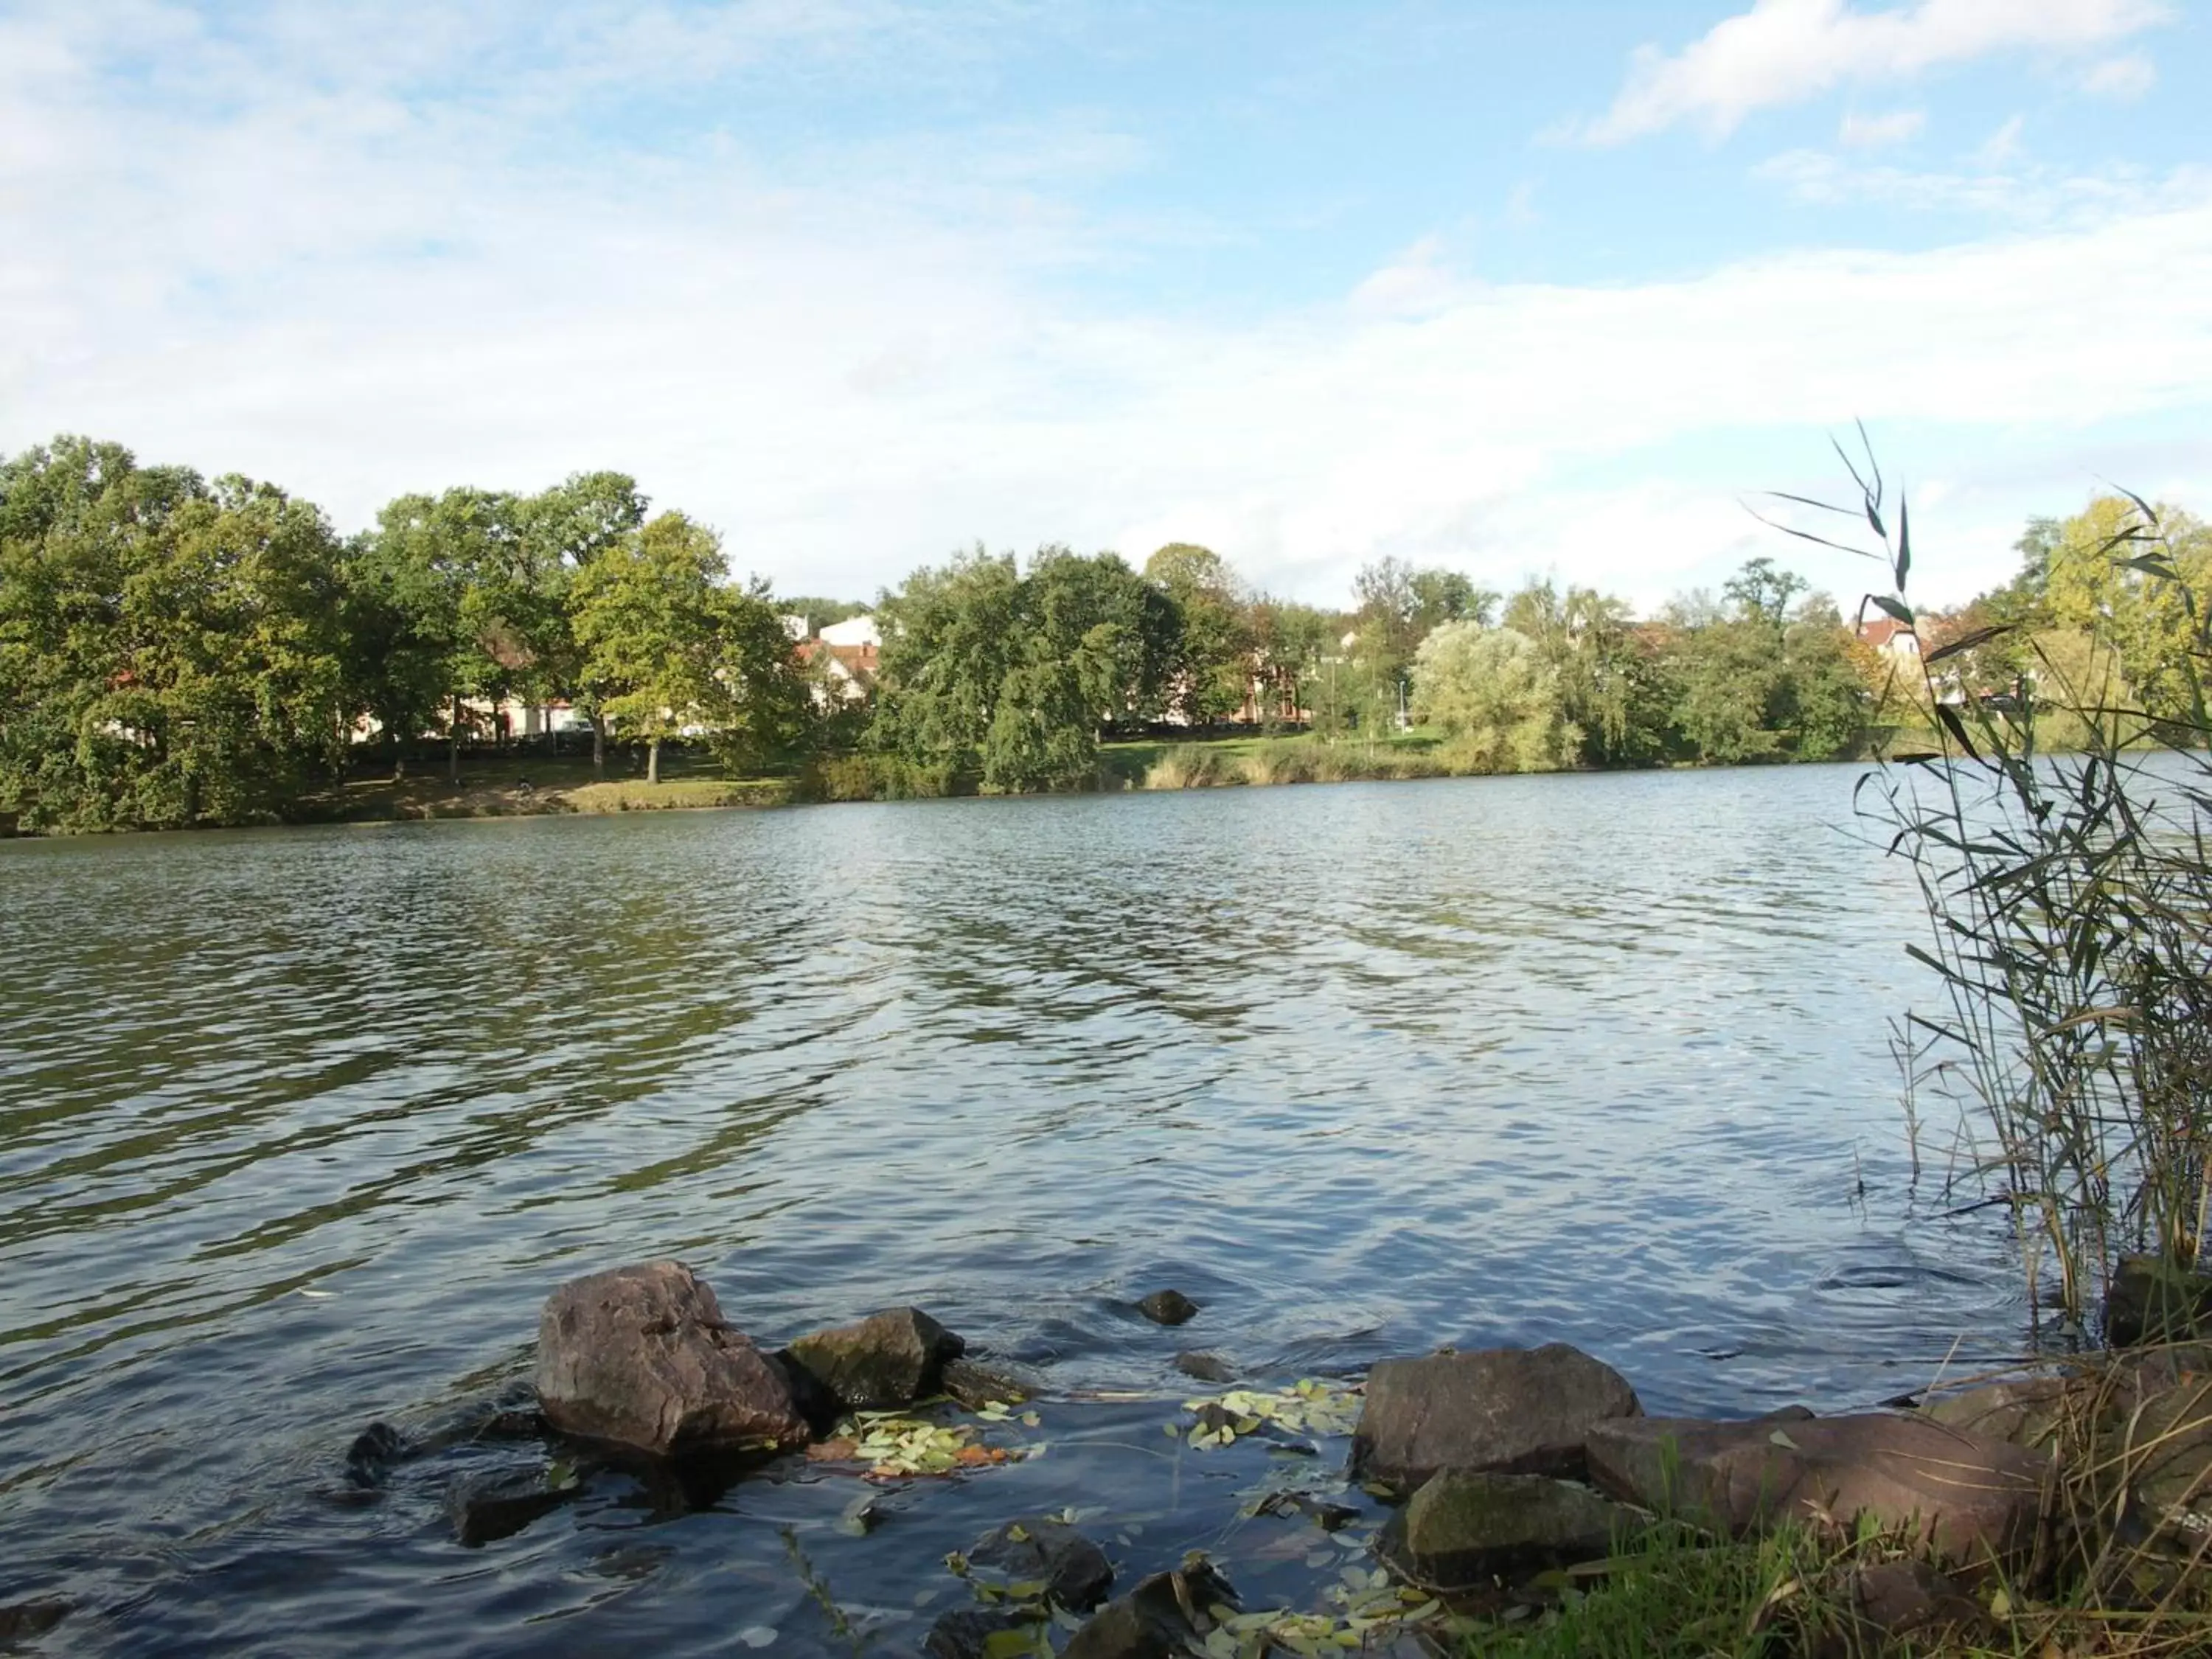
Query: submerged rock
x=1169, y=1308
x=966, y=1632
x=486, y=1508
x=1513, y=1411
x=1462, y=1529
x=1206, y=1367
x=885, y=1362
x=1074, y=1571
x=976, y=1385
x=642, y=1357
x=1967, y=1498
x=373, y=1452
x=1164, y=1617
x=21, y=1620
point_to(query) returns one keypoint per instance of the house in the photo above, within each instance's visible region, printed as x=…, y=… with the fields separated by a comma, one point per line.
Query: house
x=849, y=652
x=1893, y=639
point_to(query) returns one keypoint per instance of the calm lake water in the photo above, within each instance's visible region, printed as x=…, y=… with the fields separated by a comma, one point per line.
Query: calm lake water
x=297, y=1129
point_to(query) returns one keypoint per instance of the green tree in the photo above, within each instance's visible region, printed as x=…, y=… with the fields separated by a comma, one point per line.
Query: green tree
x=1006, y=678
x=1209, y=675
x=1495, y=696
x=670, y=650
x=170, y=652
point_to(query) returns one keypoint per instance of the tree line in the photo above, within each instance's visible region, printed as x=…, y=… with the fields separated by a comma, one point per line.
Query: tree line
x=177, y=651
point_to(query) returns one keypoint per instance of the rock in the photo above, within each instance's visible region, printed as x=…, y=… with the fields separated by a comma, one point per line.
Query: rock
x=886, y=1361
x=1894, y=1598
x=1168, y=1308
x=2152, y=1300
x=1074, y=1571
x=966, y=1632
x=1206, y=1367
x=1513, y=1411
x=1788, y=1414
x=1325, y=1513
x=2026, y=1411
x=1462, y=1530
x=641, y=1356
x=975, y=1385
x=21, y=1620
x=371, y=1455
x=1968, y=1497
x=486, y=1508
x=1162, y=1618
x=2163, y=1451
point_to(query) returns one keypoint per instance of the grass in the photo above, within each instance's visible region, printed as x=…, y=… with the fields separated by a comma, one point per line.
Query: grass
x=514, y=785
x=1261, y=760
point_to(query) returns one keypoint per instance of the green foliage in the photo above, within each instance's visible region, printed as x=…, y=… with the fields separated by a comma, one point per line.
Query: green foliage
x=170, y=652
x=670, y=649
x=1006, y=678
x=1495, y=696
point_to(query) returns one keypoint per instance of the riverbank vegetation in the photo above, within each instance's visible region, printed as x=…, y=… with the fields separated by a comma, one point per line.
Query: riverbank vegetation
x=175, y=651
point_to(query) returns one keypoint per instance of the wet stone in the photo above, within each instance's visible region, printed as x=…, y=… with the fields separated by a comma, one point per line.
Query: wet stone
x=486, y=1508
x=1513, y=1411
x=883, y=1362
x=1155, y=1621
x=1169, y=1307
x=1461, y=1530
x=975, y=1384
x=642, y=1357
x=20, y=1621
x=371, y=1455
x=1206, y=1367
x=1074, y=1571
x=968, y=1632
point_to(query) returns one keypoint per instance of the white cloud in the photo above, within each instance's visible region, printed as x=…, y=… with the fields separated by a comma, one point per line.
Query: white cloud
x=2003, y=145
x=1878, y=131
x=1783, y=51
x=357, y=293
x=2123, y=79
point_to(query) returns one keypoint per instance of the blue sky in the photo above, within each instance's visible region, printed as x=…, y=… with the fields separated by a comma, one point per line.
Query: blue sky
x=1518, y=288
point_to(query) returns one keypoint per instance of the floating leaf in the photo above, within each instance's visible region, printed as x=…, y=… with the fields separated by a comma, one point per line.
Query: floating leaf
x=756, y=1636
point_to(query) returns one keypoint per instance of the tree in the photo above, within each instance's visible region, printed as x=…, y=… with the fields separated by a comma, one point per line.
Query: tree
x=670, y=650
x=1613, y=684
x=564, y=530
x=1006, y=678
x=170, y=652
x=1494, y=694
x=1209, y=673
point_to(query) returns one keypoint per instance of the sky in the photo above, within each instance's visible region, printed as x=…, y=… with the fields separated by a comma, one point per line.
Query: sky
x=1528, y=288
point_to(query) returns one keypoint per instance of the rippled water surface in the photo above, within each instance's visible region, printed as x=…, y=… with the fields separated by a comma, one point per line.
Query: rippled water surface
x=297, y=1128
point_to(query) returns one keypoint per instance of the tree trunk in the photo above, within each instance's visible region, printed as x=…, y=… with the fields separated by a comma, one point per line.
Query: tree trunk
x=599, y=747
x=653, y=760
x=453, y=749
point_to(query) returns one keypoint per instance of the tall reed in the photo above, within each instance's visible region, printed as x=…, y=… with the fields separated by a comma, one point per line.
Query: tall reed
x=2069, y=899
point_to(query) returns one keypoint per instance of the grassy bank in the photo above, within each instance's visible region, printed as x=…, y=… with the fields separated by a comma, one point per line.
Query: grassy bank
x=525, y=786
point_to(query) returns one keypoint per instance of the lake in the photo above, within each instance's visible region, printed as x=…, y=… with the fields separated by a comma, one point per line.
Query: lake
x=298, y=1127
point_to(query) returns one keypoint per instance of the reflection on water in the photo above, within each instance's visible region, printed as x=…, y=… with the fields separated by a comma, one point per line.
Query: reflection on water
x=297, y=1128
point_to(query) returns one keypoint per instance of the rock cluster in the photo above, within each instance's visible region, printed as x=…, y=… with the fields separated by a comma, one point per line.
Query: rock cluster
x=1506, y=1463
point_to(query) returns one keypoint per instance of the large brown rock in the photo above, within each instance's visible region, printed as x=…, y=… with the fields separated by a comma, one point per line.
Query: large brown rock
x=886, y=1361
x=1967, y=1498
x=641, y=1356
x=1513, y=1411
